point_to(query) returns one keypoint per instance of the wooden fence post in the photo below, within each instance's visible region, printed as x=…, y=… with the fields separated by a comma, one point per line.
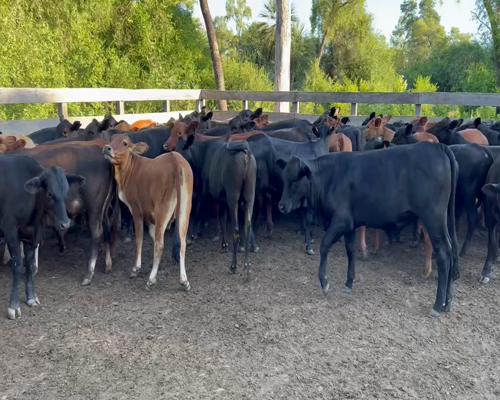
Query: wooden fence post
x=166, y=105
x=296, y=107
x=62, y=110
x=120, y=107
x=418, y=110
x=354, y=109
x=245, y=104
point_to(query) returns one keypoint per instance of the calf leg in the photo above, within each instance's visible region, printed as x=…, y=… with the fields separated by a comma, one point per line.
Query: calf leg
x=139, y=234
x=14, y=310
x=248, y=237
x=428, y=252
x=95, y=226
x=233, y=215
x=269, y=215
x=223, y=223
x=31, y=269
x=307, y=230
x=471, y=226
x=492, y=250
x=377, y=242
x=332, y=235
x=350, y=245
x=362, y=242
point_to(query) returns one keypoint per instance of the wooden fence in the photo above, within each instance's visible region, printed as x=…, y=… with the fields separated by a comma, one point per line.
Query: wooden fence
x=63, y=97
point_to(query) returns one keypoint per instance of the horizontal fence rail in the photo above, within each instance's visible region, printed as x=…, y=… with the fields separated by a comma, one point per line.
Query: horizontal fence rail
x=62, y=97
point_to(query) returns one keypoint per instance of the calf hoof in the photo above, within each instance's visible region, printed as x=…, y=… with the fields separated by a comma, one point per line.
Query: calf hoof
x=186, y=286
x=247, y=273
x=241, y=249
x=127, y=239
x=189, y=241
x=225, y=248
x=347, y=289
x=463, y=253
x=233, y=269
x=86, y=282
x=194, y=237
x=108, y=269
x=62, y=252
x=255, y=249
x=134, y=274
x=434, y=314
x=414, y=244
x=150, y=284
x=13, y=313
x=427, y=274
x=270, y=234
x=310, y=252
x=33, y=302
x=447, y=307
x=484, y=280
x=364, y=255
x=216, y=238
x=326, y=289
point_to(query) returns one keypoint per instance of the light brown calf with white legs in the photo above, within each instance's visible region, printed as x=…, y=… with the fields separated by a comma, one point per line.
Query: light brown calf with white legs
x=157, y=191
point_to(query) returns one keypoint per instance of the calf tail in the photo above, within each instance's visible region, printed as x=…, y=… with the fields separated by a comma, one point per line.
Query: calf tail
x=454, y=270
x=107, y=221
x=236, y=147
x=176, y=247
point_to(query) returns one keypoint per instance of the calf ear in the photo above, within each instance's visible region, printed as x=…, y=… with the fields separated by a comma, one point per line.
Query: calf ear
x=477, y=122
x=75, y=180
x=257, y=113
x=281, y=163
x=334, y=111
x=264, y=120
x=33, y=185
x=409, y=130
x=386, y=119
x=208, y=116
x=315, y=131
x=76, y=125
x=386, y=144
x=61, y=118
x=491, y=189
x=305, y=171
x=189, y=141
x=378, y=122
x=345, y=120
x=140, y=148
x=453, y=125
x=193, y=126
x=19, y=144
x=105, y=124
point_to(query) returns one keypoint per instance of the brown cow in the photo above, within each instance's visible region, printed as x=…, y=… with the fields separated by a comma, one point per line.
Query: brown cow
x=426, y=137
x=179, y=129
x=144, y=123
x=340, y=142
x=122, y=126
x=376, y=127
x=474, y=136
x=157, y=191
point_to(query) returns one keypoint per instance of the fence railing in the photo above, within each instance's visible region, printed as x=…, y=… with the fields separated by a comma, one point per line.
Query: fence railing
x=62, y=97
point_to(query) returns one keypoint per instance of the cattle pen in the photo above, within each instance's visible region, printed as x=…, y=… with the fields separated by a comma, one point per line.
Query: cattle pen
x=275, y=337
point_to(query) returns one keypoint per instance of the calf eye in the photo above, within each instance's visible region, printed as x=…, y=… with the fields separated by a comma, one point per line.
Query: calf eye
x=125, y=144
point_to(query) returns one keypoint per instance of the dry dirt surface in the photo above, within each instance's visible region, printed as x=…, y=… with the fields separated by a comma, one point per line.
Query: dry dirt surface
x=275, y=337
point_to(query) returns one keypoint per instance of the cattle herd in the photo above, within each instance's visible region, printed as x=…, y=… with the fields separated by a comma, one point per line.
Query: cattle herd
x=118, y=179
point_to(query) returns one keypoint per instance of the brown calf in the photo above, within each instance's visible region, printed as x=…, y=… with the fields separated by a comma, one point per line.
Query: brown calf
x=179, y=130
x=144, y=123
x=122, y=126
x=340, y=142
x=426, y=137
x=262, y=121
x=12, y=142
x=376, y=127
x=157, y=191
x=474, y=136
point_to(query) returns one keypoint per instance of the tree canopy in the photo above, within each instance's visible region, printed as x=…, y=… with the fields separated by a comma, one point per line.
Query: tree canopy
x=160, y=44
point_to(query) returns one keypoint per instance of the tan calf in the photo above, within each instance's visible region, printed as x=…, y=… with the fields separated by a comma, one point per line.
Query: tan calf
x=157, y=191
x=340, y=142
x=474, y=136
x=376, y=127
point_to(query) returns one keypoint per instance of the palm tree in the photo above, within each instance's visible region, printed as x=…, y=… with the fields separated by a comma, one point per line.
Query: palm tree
x=214, y=49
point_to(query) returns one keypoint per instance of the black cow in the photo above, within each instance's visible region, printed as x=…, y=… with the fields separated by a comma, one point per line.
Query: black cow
x=491, y=190
x=62, y=130
x=228, y=172
x=474, y=162
x=347, y=190
x=446, y=132
x=333, y=113
x=404, y=135
x=288, y=124
x=28, y=194
x=93, y=129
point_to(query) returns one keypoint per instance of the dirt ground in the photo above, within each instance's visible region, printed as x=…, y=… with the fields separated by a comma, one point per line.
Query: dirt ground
x=275, y=337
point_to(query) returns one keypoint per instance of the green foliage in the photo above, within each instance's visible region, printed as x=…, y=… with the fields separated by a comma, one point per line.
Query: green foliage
x=239, y=12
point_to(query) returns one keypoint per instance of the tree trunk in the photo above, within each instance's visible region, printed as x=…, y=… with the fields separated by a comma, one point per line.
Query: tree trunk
x=283, y=50
x=322, y=49
x=214, y=49
x=495, y=33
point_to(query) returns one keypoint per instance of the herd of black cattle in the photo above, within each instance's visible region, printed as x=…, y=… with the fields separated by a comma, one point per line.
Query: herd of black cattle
x=392, y=178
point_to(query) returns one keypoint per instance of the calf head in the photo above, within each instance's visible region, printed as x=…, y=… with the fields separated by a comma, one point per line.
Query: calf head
x=445, y=129
x=377, y=144
x=119, y=151
x=262, y=121
x=404, y=135
x=205, y=119
x=53, y=186
x=249, y=115
x=369, y=118
x=296, y=184
x=67, y=129
x=95, y=128
x=179, y=130
x=376, y=127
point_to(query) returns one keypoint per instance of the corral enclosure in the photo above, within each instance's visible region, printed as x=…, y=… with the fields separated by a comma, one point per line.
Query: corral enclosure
x=277, y=336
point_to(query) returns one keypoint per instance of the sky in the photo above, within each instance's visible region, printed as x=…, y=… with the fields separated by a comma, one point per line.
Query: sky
x=385, y=13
